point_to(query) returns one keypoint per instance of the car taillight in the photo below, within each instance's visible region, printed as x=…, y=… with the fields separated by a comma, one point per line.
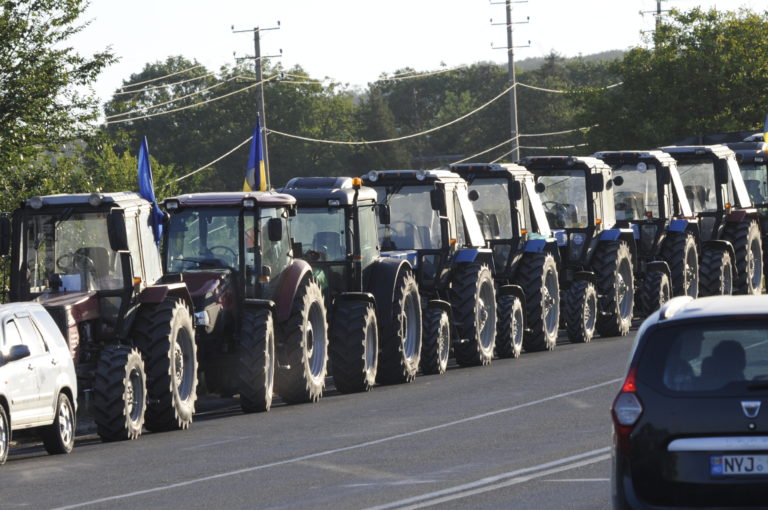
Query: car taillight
x=626, y=410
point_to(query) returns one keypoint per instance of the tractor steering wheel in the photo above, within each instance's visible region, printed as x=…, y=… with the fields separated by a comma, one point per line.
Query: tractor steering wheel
x=226, y=249
x=558, y=211
x=68, y=261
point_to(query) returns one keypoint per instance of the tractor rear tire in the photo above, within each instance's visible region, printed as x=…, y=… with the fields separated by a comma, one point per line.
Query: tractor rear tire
x=300, y=377
x=473, y=298
x=655, y=291
x=401, y=338
x=745, y=237
x=539, y=280
x=581, y=309
x=615, y=288
x=119, y=394
x=166, y=336
x=510, y=326
x=680, y=252
x=354, y=346
x=436, y=346
x=59, y=437
x=256, y=361
x=716, y=273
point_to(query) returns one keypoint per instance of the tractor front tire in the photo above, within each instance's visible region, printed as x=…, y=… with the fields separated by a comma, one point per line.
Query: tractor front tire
x=680, y=252
x=716, y=273
x=747, y=245
x=655, y=291
x=473, y=298
x=510, y=326
x=581, y=309
x=119, y=394
x=615, y=288
x=539, y=280
x=401, y=339
x=354, y=346
x=437, y=341
x=256, y=361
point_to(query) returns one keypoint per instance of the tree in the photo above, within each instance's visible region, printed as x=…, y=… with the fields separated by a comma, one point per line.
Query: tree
x=42, y=100
x=706, y=73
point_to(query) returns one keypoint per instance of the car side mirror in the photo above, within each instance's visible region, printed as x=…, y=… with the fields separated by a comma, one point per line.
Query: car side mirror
x=384, y=215
x=5, y=235
x=437, y=200
x=17, y=352
x=596, y=183
x=118, y=235
x=275, y=229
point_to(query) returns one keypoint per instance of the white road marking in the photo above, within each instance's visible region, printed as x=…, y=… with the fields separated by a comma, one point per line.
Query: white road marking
x=493, y=483
x=579, y=480
x=294, y=460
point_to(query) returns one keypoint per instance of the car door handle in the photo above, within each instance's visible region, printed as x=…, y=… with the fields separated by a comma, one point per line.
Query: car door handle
x=54, y=362
x=30, y=367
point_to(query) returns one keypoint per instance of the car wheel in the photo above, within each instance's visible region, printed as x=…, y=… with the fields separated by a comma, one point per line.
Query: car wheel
x=59, y=437
x=5, y=435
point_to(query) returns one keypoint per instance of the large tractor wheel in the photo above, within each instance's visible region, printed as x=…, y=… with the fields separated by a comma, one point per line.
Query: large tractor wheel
x=655, y=291
x=716, y=273
x=437, y=341
x=354, y=346
x=581, y=311
x=745, y=237
x=510, y=325
x=615, y=288
x=680, y=252
x=400, y=345
x=256, y=361
x=5, y=435
x=119, y=394
x=537, y=275
x=301, y=375
x=59, y=437
x=166, y=337
x=473, y=299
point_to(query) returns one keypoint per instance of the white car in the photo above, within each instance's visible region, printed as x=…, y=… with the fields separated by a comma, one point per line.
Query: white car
x=38, y=385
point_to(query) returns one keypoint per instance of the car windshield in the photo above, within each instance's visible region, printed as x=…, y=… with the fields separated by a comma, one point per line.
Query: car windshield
x=637, y=195
x=413, y=225
x=721, y=357
x=203, y=238
x=321, y=232
x=756, y=180
x=492, y=207
x=70, y=251
x=699, y=183
x=565, y=198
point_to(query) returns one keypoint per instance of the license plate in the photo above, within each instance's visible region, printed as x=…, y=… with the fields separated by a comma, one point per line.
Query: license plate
x=722, y=465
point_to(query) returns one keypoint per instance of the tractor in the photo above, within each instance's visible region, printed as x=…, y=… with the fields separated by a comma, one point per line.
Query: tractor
x=719, y=198
x=650, y=199
x=428, y=219
x=259, y=313
x=373, y=301
x=596, y=256
x=525, y=254
x=91, y=260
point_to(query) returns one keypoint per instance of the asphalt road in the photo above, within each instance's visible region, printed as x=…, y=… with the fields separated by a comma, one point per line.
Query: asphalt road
x=531, y=433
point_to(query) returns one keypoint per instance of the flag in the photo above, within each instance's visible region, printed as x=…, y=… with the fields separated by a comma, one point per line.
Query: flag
x=765, y=130
x=147, y=190
x=255, y=174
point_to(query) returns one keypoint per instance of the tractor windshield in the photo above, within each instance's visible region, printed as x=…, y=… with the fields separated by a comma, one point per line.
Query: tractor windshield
x=636, y=192
x=70, y=252
x=756, y=180
x=204, y=238
x=492, y=207
x=699, y=183
x=413, y=225
x=565, y=198
x=321, y=232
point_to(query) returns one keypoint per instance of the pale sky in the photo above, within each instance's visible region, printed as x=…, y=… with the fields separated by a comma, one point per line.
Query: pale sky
x=354, y=41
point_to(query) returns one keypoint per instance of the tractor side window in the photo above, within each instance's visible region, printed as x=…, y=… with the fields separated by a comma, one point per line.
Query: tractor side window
x=151, y=255
x=274, y=254
x=461, y=236
x=699, y=184
x=541, y=226
x=133, y=245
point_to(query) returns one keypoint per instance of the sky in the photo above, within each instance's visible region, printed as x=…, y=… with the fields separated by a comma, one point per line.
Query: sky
x=355, y=41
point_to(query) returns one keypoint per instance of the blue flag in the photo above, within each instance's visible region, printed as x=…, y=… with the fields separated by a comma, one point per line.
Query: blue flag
x=255, y=173
x=147, y=190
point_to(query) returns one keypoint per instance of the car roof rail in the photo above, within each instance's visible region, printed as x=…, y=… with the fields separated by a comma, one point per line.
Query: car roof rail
x=671, y=307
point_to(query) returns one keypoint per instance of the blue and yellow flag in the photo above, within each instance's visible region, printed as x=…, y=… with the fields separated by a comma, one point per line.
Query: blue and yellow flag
x=765, y=130
x=147, y=190
x=255, y=174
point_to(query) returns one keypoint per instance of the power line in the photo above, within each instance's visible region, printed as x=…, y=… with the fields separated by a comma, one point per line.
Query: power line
x=160, y=77
x=408, y=76
x=208, y=165
x=568, y=91
x=484, y=152
x=147, y=89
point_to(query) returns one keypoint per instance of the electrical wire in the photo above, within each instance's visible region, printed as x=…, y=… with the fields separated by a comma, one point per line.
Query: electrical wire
x=208, y=165
x=485, y=151
x=557, y=132
x=160, y=77
x=408, y=76
x=567, y=91
x=147, y=89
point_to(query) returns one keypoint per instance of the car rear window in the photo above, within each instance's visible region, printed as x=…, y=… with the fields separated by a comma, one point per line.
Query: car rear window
x=723, y=357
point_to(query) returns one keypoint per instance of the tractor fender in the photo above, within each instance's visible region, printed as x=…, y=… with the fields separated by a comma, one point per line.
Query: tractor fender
x=355, y=296
x=512, y=290
x=621, y=234
x=154, y=294
x=587, y=276
x=722, y=245
x=291, y=280
x=381, y=285
x=659, y=266
x=680, y=225
x=535, y=245
x=256, y=304
x=469, y=255
x=441, y=305
x=737, y=216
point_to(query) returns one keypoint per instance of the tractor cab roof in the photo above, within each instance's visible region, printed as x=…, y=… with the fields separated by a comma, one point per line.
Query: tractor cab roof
x=123, y=199
x=379, y=177
x=327, y=191
x=616, y=158
x=750, y=152
x=680, y=152
x=491, y=170
x=590, y=164
x=229, y=199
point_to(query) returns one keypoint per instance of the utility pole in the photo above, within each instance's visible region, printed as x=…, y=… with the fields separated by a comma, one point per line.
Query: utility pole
x=257, y=58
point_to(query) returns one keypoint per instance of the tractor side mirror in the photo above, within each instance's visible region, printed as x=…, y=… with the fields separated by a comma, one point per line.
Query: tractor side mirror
x=618, y=180
x=384, y=216
x=596, y=183
x=515, y=191
x=664, y=175
x=5, y=236
x=437, y=200
x=473, y=195
x=275, y=229
x=118, y=235
x=539, y=187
